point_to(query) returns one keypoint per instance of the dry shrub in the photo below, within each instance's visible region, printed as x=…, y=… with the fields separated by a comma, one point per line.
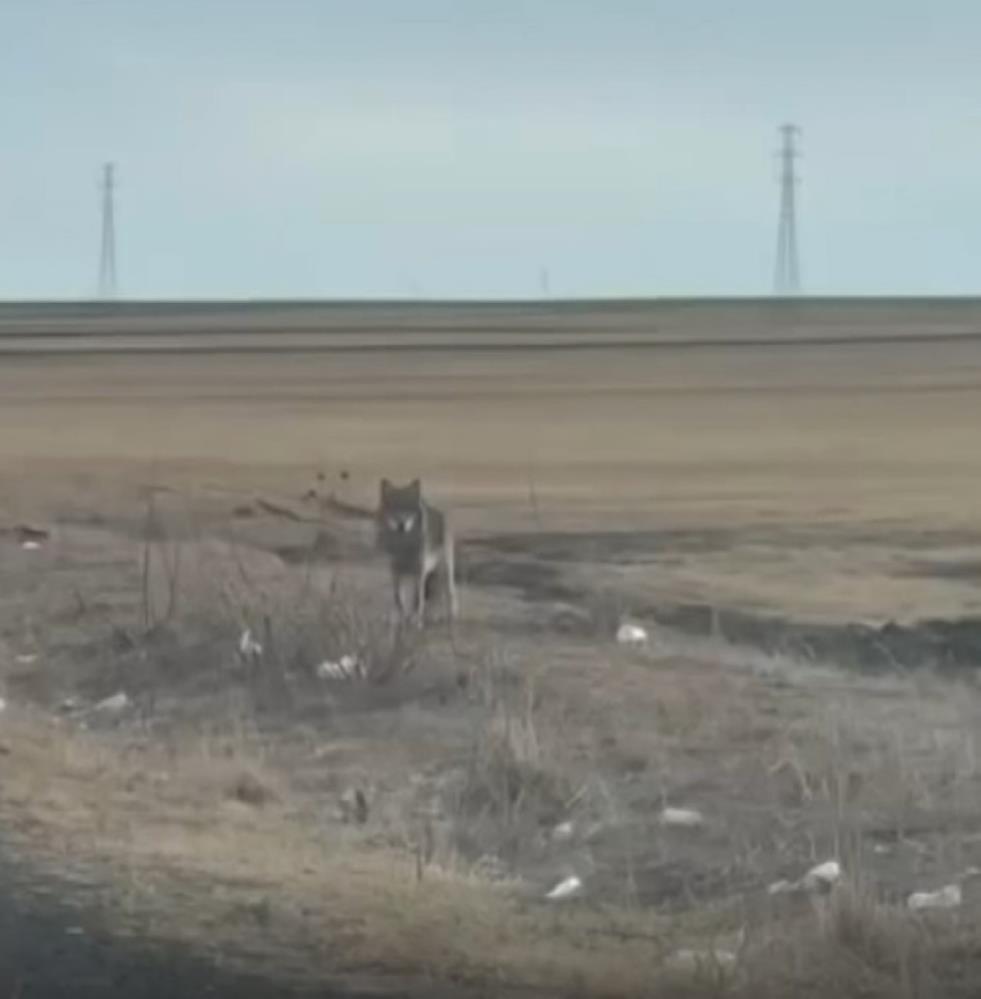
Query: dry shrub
x=607, y=608
x=214, y=592
x=514, y=782
x=175, y=862
x=164, y=846
x=852, y=946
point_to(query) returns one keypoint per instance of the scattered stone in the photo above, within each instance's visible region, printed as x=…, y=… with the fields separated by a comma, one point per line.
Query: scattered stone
x=30, y=546
x=948, y=897
x=112, y=705
x=823, y=878
x=249, y=790
x=3, y=704
x=631, y=634
x=566, y=889
x=248, y=646
x=685, y=818
x=26, y=658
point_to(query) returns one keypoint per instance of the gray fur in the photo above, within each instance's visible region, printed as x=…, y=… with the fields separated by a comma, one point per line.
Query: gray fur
x=418, y=541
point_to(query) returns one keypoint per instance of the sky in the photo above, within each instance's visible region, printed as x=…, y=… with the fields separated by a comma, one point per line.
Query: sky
x=464, y=148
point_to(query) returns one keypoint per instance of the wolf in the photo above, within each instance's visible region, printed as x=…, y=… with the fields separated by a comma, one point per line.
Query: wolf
x=418, y=541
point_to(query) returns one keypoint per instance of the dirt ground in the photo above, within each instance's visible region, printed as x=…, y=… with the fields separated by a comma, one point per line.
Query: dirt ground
x=796, y=527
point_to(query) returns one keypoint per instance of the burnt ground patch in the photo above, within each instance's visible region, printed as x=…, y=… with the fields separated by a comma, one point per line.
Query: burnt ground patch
x=49, y=951
x=56, y=946
x=629, y=547
x=534, y=565
x=535, y=580
x=950, y=645
x=616, y=547
x=963, y=570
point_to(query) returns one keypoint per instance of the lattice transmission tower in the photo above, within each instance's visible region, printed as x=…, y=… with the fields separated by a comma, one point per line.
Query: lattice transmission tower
x=107, y=252
x=787, y=275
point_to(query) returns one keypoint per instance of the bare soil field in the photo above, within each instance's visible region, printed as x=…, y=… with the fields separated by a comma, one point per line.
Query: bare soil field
x=786, y=499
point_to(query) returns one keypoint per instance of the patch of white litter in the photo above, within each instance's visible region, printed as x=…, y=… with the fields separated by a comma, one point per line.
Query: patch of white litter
x=686, y=818
x=568, y=888
x=248, y=646
x=948, y=897
x=631, y=634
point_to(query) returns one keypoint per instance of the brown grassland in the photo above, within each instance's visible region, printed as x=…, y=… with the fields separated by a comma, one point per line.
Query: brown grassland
x=791, y=508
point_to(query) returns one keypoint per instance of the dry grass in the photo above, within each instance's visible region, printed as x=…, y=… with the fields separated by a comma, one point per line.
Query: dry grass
x=787, y=477
x=153, y=824
x=182, y=854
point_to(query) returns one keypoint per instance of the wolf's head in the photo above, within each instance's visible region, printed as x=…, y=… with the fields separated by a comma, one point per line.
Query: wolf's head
x=400, y=508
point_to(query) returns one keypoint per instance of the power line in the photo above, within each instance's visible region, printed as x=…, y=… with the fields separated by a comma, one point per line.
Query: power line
x=787, y=276
x=107, y=255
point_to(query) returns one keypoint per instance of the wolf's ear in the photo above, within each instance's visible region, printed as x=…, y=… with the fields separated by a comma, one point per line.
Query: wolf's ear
x=384, y=487
x=416, y=486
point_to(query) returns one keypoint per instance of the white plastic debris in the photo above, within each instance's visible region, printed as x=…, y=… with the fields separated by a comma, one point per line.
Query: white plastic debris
x=113, y=705
x=823, y=877
x=686, y=818
x=30, y=546
x=568, y=888
x=948, y=897
x=702, y=960
x=783, y=887
x=351, y=665
x=26, y=658
x=563, y=832
x=248, y=646
x=631, y=634
x=346, y=668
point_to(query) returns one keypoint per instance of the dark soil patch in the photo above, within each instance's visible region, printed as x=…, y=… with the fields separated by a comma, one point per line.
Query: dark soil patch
x=49, y=952
x=968, y=570
x=950, y=645
x=535, y=580
x=527, y=564
x=50, y=949
x=612, y=547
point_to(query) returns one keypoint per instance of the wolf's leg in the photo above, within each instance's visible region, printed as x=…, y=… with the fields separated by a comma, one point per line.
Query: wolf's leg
x=421, y=596
x=397, y=593
x=449, y=565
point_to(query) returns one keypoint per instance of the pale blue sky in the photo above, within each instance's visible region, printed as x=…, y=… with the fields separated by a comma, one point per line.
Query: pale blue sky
x=384, y=148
